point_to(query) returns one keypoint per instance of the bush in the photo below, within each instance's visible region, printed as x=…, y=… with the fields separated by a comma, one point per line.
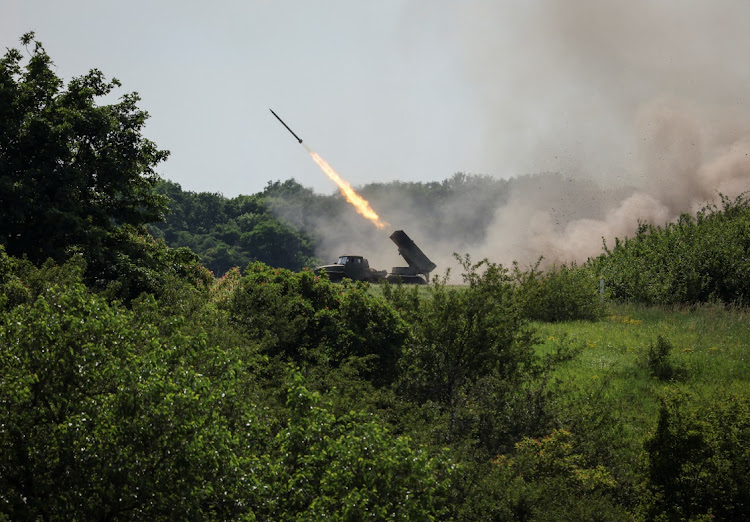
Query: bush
x=102, y=418
x=693, y=260
x=133, y=414
x=543, y=478
x=659, y=360
x=132, y=262
x=306, y=319
x=460, y=335
x=699, y=459
x=469, y=362
x=558, y=293
x=346, y=467
x=13, y=290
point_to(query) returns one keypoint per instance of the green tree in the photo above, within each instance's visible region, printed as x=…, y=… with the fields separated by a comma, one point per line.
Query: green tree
x=469, y=360
x=461, y=335
x=348, y=467
x=228, y=233
x=102, y=416
x=696, y=259
x=13, y=290
x=306, y=319
x=71, y=171
x=558, y=293
x=546, y=478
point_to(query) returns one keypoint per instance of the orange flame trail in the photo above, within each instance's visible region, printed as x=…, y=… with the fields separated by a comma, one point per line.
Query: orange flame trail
x=361, y=204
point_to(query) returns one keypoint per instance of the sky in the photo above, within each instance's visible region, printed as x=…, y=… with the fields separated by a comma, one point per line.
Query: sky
x=375, y=87
x=652, y=96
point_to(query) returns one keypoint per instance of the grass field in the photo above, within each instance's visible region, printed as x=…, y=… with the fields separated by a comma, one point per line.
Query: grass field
x=709, y=357
x=710, y=354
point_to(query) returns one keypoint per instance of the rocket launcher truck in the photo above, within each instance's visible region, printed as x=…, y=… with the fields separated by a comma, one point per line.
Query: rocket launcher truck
x=357, y=268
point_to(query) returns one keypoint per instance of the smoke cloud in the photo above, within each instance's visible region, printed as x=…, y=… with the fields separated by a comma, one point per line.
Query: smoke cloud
x=595, y=115
x=643, y=102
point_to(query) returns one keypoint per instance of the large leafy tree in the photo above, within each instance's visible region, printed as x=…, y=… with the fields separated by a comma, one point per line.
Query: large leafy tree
x=71, y=171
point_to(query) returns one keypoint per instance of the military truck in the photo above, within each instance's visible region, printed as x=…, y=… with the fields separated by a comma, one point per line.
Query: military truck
x=357, y=268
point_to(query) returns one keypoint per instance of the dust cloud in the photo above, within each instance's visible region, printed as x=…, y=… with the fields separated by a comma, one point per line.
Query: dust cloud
x=644, y=102
x=595, y=115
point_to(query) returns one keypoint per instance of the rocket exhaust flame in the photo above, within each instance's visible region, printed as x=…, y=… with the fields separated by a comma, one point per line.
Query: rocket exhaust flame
x=360, y=204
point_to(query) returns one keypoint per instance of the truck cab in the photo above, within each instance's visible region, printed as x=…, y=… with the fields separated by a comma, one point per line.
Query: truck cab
x=356, y=268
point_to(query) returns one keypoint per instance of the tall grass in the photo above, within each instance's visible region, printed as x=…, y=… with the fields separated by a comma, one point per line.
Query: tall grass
x=710, y=343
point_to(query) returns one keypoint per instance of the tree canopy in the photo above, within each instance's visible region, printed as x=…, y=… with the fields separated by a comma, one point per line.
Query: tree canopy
x=71, y=171
x=228, y=233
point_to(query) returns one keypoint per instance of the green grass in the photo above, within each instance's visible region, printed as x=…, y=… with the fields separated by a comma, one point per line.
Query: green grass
x=711, y=346
x=711, y=350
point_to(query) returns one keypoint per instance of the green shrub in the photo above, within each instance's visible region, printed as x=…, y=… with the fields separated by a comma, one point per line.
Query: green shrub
x=13, y=290
x=460, y=335
x=306, y=319
x=131, y=262
x=659, y=360
x=346, y=466
x=546, y=479
x=693, y=260
x=468, y=365
x=699, y=459
x=102, y=418
x=558, y=293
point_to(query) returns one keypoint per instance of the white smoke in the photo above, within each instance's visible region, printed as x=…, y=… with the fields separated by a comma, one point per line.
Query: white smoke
x=648, y=95
x=639, y=109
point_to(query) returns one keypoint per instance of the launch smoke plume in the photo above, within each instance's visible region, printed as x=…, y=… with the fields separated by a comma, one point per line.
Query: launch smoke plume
x=601, y=114
x=641, y=94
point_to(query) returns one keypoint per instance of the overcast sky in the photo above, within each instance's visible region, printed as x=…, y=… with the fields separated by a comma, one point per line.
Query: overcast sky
x=396, y=89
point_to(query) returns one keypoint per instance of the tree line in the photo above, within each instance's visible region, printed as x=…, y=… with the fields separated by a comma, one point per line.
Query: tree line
x=227, y=233
x=285, y=224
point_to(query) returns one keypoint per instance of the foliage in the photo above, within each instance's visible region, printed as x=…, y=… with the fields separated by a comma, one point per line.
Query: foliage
x=660, y=363
x=13, y=290
x=101, y=417
x=550, y=480
x=461, y=335
x=469, y=363
x=227, y=233
x=133, y=262
x=603, y=436
x=77, y=179
x=71, y=172
x=107, y=412
x=558, y=293
x=175, y=401
x=349, y=467
x=307, y=319
x=693, y=260
x=699, y=459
